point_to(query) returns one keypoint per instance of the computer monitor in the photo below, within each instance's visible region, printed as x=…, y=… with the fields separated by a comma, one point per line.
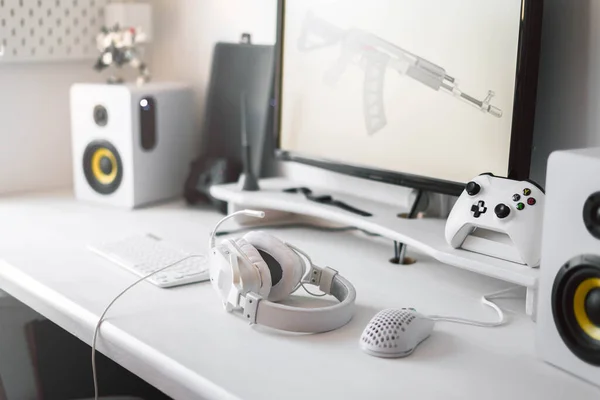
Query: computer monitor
x=421, y=93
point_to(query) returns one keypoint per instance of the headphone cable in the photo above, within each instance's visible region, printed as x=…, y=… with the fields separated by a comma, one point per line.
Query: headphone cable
x=103, y=315
x=298, y=226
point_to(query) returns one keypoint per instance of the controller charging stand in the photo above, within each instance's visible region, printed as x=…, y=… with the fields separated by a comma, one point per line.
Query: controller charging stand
x=499, y=217
x=426, y=235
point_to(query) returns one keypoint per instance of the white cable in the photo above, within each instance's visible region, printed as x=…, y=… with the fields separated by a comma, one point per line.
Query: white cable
x=97, y=329
x=250, y=213
x=485, y=299
x=301, y=284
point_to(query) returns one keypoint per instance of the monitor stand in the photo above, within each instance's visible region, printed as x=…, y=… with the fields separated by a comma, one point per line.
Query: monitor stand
x=425, y=234
x=399, y=247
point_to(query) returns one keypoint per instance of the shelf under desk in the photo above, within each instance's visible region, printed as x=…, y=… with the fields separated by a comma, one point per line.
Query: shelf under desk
x=183, y=342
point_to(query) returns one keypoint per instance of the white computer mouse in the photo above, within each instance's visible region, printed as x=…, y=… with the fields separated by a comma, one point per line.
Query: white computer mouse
x=395, y=332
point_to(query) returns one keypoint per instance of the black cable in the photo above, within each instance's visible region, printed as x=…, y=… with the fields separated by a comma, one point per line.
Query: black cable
x=413, y=209
x=400, y=248
x=297, y=225
x=328, y=200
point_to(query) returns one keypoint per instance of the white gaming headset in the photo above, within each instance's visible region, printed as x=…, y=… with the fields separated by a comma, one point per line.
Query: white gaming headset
x=252, y=273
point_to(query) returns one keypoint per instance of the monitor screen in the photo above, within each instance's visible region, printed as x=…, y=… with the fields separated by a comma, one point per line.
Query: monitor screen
x=408, y=88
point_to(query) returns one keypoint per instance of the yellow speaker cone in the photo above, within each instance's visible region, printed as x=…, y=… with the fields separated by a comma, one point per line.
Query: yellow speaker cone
x=97, y=170
x=102, y=167
x=581, y=315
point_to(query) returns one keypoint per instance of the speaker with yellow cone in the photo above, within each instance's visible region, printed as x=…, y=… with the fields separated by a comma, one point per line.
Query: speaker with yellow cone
x=132, y=145
x=568, y=301
x=102, y=167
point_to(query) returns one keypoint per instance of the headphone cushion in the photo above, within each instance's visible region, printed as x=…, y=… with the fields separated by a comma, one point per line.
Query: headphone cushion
x=256, y=259
x=291, y=265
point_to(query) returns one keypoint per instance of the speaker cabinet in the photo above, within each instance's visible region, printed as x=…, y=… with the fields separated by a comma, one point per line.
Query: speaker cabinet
x=568, y=316
x=132, y=145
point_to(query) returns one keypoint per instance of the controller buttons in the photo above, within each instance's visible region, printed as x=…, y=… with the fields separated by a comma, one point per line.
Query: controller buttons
x=478, y=209
x=526, y=191
x=520, y=206
x=516, y=197
x=473, y=188
x=502, y=211
x=531, y=201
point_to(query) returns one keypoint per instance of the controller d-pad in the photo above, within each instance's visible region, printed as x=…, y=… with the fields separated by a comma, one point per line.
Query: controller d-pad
x=478, y=209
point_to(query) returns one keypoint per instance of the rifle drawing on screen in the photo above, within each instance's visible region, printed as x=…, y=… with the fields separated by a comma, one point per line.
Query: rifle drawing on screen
x=375, y=55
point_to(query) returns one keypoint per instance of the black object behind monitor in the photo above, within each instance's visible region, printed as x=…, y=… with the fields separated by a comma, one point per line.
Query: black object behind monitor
x=419, y=93
x=239, y=69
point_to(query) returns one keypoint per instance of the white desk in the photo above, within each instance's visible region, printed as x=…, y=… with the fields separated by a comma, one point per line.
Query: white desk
x=184, y=343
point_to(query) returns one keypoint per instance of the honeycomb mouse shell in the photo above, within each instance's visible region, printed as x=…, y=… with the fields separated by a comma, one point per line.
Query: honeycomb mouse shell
x=395, y=333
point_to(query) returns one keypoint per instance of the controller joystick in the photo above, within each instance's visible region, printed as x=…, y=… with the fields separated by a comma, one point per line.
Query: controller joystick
x=502, y=211
x=518, y=208
x=472, y=188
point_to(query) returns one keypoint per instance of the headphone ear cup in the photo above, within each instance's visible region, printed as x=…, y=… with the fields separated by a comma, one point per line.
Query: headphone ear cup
x=285, y=265
x=256, y=259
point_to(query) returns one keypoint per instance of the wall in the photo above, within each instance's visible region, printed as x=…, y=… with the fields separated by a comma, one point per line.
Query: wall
x=35, y=152
x=569, y=81
x=185, y=32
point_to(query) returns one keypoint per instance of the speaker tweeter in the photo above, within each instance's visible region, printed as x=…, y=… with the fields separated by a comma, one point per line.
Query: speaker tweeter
x=591, y=214
x=100, y=115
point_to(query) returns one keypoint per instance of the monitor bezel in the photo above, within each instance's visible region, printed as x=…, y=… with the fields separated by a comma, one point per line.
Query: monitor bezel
x=526, y=73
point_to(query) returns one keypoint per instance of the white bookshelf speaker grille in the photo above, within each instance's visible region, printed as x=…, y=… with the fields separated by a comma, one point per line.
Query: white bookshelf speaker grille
x=49, y=30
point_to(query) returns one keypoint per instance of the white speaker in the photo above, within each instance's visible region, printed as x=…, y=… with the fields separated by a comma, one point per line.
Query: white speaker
x=568, y=315
x=132, y=145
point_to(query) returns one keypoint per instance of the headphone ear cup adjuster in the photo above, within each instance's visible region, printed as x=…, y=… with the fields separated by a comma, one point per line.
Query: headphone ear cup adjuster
x=254, y=271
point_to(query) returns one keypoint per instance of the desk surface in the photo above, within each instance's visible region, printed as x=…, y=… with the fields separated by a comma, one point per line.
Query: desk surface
x=183, y=342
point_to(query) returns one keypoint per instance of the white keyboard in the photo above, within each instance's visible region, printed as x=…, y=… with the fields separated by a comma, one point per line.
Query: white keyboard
x=144, y=254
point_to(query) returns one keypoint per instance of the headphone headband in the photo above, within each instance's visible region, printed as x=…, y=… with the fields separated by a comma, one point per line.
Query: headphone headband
x=306, y=320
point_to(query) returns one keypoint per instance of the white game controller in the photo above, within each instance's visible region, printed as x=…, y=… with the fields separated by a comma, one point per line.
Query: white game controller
x=499, y=217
